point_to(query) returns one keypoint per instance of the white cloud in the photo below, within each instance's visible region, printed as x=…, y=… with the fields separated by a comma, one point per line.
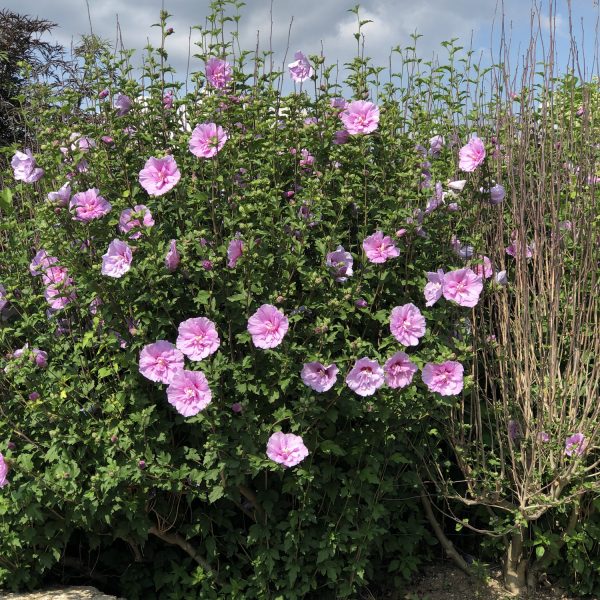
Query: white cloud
x=316, y=24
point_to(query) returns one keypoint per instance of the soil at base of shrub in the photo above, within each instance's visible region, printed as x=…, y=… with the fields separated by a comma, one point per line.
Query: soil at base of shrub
x=446, y=582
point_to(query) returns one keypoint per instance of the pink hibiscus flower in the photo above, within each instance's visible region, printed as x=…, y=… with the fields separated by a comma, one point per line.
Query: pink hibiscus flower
x=340, y=262
x=58, y=295
x=188, y=392
x=123, y=104
x=471, y=155
x=54, y=275
x=135, y=218
x=341, y=137
x=515, y=246
x=319, y=377
x=286, y=449
x=575, y=444
x=407, y=324
x=218, y=73
x=445, y=378
x=360, y=116
x=198, y=338
x=89, y=205
x=3, y=300
x=366, y=377
x=433, y=288
x=62, y=196
x=379, y=248
x=40, y=358
x=117, y=260
x=168, y=100
x=25, y=168
x=484, y=269
x=207, y=140
x=462, y=286
x=300, y=69
x=3, y=471
x=399, y=370
x=172, y=258
x=160, y=361
x=159, y=175
x=41, y=261
x=267, y=326
x=234, y=252
x=80, y=142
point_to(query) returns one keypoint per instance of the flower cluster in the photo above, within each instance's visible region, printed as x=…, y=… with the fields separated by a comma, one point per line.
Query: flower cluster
x=462, y=286
x=163, y=362
x=59, y=285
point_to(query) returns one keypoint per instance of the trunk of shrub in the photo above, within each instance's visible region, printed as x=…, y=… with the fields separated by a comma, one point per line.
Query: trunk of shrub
x=515, y=567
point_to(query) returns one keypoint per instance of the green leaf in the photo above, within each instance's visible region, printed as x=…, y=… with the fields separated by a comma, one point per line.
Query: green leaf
x=216, y=493
x=6, y=197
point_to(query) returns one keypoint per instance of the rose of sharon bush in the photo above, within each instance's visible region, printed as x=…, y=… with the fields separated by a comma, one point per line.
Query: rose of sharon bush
x=207, y=140
x=399, y=370
x=286, y=449
x=360, y=116
x=446, y=378
x=188, y=392
x=267, y=326
x=159, y=175
x=198, y=338
x=160, y=361
x=319, y=377
x=283, y=222
x=366, y=377
x=407, y=324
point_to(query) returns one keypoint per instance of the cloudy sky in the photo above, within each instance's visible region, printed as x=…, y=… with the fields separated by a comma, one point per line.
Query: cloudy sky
x=320, y=24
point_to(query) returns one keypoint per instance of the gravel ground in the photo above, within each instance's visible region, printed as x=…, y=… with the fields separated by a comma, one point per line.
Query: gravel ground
x=71, y=593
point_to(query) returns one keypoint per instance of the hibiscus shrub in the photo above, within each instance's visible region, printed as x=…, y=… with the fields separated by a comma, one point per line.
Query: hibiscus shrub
x=230, y=316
